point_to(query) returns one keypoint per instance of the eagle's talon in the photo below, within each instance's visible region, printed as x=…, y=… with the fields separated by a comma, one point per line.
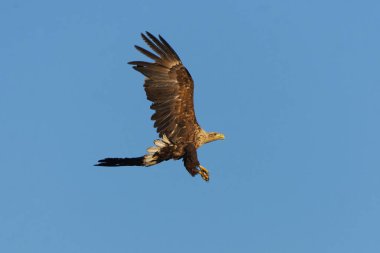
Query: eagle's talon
x=203, y=169
x=204, y=173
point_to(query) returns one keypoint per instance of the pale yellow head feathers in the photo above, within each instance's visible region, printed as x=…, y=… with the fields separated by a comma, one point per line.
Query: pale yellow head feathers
x=213, y=136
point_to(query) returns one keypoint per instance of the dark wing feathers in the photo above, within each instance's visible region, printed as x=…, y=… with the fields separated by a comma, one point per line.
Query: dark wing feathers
x=170, y=49
x=170, y=87
x=147, y=53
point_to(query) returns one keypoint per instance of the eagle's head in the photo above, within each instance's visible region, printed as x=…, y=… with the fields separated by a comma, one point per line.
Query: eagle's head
x=213, y=136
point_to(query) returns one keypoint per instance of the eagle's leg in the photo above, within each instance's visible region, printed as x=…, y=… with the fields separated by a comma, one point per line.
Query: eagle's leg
x=203, y=172
x=191, y=162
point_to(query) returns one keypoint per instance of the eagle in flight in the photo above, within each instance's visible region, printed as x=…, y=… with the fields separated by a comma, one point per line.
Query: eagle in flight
x=170, y=87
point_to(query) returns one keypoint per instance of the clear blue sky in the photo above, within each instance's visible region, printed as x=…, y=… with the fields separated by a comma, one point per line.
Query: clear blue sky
x=294, y=86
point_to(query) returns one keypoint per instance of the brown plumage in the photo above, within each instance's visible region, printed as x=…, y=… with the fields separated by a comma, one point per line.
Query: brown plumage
x=170, y=87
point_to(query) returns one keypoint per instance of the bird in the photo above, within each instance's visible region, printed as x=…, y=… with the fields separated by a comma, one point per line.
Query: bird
x=170, y=88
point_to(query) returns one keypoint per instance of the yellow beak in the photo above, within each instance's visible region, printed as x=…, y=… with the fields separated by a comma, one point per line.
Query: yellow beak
x=220, y=137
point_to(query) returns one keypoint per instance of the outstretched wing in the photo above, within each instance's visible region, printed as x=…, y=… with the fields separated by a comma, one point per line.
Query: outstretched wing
x=170, y=87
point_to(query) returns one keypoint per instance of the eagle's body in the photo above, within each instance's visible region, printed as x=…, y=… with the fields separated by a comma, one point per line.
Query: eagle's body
x=170, y=87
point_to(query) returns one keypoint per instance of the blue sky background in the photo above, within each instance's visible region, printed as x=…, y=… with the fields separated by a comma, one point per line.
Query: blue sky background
x=294, y=86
